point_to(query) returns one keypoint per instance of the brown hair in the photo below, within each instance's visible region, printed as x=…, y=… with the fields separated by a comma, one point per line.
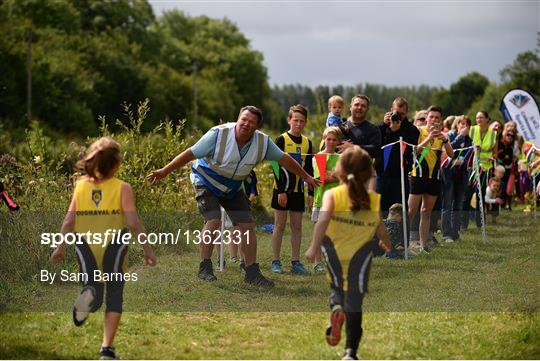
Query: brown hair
x=298, y=108
x=485, y=114
x=435, y=108
x=449, y=122
x=466, y=118
x=355, y=169
x=332, y=130
x=396, y=209
x=102, y=159
x=255, y=111
x=335, y=99
x=361, y=96
x=420, y=114
x=400, y=101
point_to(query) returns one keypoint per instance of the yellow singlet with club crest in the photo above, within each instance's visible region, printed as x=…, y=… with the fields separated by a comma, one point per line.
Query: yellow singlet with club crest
x=350, y=232
x=98, y=209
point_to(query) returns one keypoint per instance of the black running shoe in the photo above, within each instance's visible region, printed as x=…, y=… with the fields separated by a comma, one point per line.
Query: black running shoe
x=107, y=353
x=254, y=276
x=350, y=354
x=206, y=271
x=83, y=305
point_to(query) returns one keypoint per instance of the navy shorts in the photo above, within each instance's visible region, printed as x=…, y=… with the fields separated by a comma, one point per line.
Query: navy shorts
x=209, y=205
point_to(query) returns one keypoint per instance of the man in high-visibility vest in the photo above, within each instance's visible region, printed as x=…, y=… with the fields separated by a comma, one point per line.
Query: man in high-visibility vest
x=225, y=156
x=484, y=139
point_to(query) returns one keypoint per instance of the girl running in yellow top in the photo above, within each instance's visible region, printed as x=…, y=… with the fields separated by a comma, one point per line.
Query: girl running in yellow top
x=102, y=205
x=348, y=222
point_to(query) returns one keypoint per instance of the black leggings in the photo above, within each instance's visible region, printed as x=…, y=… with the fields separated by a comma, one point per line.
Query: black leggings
x=113, y=260
x=352, y=299
x=354, y=330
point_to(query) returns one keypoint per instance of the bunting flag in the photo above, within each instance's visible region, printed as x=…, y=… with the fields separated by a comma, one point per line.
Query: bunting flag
x=473, y=178
x=415, y=159
x=456, y=158
x=320, y=159
x=469, y=163
x=275, y=168
x=473, y=175
x=530, y=155
x=297, y=157
x=444, y=159
x=386, y=154
x=425, y=151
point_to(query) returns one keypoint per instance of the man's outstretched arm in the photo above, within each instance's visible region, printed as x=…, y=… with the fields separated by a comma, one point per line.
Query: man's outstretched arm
x=178, y=162
x=291, y=165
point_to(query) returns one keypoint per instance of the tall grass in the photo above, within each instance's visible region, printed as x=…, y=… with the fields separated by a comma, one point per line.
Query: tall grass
x=39, y=173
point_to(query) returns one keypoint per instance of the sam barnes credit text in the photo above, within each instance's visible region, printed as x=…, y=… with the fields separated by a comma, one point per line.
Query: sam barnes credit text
x=98, y=276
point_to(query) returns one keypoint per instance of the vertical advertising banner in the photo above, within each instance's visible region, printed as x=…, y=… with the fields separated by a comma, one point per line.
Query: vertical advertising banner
x=520, y=106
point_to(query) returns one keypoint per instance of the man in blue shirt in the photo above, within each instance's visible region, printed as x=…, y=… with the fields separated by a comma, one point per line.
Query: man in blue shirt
x=224, y=157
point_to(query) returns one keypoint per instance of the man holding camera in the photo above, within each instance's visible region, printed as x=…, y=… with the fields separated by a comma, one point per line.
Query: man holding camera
x=395, y=125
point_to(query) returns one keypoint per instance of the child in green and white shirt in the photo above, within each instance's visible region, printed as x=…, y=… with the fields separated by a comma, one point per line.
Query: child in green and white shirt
x=331, y=138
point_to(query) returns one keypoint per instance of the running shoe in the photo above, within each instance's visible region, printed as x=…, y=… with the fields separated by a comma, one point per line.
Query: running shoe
x=83, y=305
x=297, y=268
x=255, y=277
x=319, y=268
x=350, y=354
x=392, y=254
x=107, y=353
x=205, y=271
x=333, y=332
x=276, y=266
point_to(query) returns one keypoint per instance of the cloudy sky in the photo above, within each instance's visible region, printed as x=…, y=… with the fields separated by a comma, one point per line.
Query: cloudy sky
x=382, y=42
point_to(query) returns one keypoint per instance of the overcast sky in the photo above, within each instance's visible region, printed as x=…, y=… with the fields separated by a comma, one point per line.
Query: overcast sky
x=390, y=43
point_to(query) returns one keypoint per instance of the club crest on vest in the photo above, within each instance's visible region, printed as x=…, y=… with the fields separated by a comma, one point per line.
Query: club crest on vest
x=96, y=196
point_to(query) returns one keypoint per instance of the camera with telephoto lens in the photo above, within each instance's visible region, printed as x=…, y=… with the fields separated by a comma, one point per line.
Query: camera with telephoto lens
x=395, y=117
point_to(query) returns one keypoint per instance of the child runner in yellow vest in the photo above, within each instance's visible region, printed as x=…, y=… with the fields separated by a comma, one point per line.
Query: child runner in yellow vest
x=348, y=221
x=102, y=204
x=331, y=138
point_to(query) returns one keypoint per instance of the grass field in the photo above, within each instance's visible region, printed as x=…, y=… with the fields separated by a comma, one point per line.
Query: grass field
x=466, y=300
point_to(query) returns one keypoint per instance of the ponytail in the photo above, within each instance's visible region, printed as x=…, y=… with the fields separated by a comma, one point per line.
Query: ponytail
x=355, y=170
x=357, y=194
x=102, y=160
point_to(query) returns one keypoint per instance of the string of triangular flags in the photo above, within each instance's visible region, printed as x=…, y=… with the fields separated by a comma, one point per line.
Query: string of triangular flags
x=321, y=158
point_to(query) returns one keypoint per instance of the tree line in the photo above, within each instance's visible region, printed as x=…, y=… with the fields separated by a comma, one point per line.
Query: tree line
x=84, y=58
x=469, y=94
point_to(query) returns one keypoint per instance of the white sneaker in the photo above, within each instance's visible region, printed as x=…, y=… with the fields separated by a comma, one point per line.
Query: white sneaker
x=83, y=305
x=449, y=240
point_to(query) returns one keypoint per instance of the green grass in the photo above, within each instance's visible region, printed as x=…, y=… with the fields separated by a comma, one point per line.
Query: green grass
x=467, y=300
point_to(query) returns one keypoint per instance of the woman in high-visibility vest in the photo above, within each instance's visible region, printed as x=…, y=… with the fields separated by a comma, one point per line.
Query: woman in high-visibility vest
x=484, y=140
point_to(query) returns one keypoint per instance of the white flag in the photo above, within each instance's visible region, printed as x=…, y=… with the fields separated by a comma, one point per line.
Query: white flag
x=520, y=106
